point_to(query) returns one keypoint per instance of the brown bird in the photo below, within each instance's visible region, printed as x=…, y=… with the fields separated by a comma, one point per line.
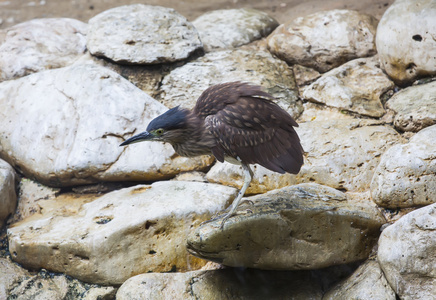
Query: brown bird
x=236, y=122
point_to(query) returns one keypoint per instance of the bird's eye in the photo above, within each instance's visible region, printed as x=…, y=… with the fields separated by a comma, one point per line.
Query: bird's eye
x=159, y=131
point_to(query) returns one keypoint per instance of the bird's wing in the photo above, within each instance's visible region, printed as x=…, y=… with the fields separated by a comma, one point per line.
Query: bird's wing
x=257, y=131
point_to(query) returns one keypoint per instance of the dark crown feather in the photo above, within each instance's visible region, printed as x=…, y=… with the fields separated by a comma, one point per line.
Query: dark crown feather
x=172, y=119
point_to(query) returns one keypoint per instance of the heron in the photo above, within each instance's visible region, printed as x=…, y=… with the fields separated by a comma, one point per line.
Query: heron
x=236, y=122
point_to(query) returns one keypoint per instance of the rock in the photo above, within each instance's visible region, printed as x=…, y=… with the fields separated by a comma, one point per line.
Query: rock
x=73, y=124
x=304, y=75
x=222, y=284
x=185, y=84
x=325, y=40
x=355, y=86
x=319, y=112
x=342, y=154
x=40, y=44
x=8, y=196
x=231, y=28
x=121, y=234
x=406, y=175
x=415, y=107
x=142, y=34
x=367, y=283
x=30, y=195
x=17, y=283
x=306, y=226
x=405, y=40
x=406, y=254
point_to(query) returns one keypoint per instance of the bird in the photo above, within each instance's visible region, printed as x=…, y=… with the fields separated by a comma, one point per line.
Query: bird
x=236, y=122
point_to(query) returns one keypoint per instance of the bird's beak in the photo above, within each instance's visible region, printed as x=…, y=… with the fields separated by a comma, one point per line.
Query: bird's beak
x=144, y=136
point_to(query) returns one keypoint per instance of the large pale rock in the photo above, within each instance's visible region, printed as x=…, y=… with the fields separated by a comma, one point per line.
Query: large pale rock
x=406, y=175
x=230, y=28
x=318, y=112
x=367, y=283
x=143, y=34
x=415, y=107
x=18, y=283
x=121, y=234
x=69, y=131
x=40, y=44
x=222, y=284
x=355, y=86
x=341, y=153
x=8, y=196
x=407, y=254
x=306, y=226
x=406, y=42
x=184, y=85
x=325, y=40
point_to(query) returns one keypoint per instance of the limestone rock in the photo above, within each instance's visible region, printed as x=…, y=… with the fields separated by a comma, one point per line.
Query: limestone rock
x=121, y=234
x=185, y=84
x=8, y=196
x=406, y=254
x=325, y=40
x=306, y=226
x=415, y=107
x=230, y=28
x=69, y=131
x=40, y=44
x=367, y=283
x=355, y=86
x=222, y=284
x=319, y=112
x=406, y=42
x=18, y=283
x=341, y=153
x=30, y=195
x=406, y=175
x=142, y=34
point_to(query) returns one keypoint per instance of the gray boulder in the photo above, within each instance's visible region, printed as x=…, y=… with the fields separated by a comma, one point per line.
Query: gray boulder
x=8, y=196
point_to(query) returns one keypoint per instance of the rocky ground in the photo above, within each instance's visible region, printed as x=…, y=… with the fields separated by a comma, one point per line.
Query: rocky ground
x=83, y=218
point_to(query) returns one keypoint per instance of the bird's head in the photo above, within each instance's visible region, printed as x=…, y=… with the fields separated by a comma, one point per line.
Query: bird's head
x=168, y=127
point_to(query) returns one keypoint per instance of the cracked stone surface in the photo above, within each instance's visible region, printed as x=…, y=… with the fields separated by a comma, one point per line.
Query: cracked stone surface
x=341, y=153
x=108, y=239
x=407, y=254
x=222, y=284
x=230, y=28
x=355, y=86
x=142, y=34
x=68, y=132
x=367, y=283
x=40, y=44
x=414, y=107
x=406, y=175
x=8, y=196
x=305, y=226
x=324, y=40
x=184, y=85
x=406, y=42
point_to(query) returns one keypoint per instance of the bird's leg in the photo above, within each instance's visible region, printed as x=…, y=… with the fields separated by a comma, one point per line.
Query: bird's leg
x=248, y=176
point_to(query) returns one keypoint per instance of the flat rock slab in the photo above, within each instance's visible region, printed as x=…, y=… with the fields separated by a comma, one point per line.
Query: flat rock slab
x=306, y=226
x=231, y=28
x=40, y=44
x=121, y=234
x=69, y=131
x=142, y=34
x=325, y=40
x=407, y=254
x=367, y=283
x=414, y=107
x=341, y=153
x=355, y=86
x=8, y=196
x=184, y=85
x=406, y=175
x=405, y=40
x=222, y=284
